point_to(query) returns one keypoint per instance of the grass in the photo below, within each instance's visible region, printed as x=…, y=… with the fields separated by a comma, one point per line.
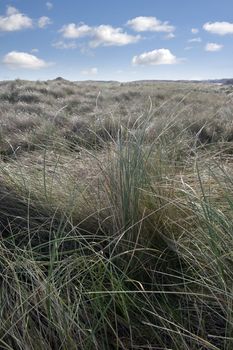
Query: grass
x=116, y=216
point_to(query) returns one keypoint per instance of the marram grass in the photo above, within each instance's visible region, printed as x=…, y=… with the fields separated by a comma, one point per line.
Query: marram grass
x=116, y=230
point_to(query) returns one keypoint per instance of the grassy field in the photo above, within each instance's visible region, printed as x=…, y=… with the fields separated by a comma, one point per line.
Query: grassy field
x=116, y=216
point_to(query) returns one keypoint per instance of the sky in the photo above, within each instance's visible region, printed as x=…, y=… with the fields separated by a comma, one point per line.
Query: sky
x=122, y=40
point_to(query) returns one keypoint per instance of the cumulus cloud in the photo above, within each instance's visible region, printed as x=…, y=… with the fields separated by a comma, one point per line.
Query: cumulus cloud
x=195, y=40
x=195, y=30
x=212, y=47
x=13, y=20
x=90, y=71
x=44, y=21
x=11, y=11
x=64, y=45
x=106, y=35
x=73, y=31
x=150, y=24
x=103, y=35
x=15, y=59
x=49, y=5
x=155, y=57
x=220, y=28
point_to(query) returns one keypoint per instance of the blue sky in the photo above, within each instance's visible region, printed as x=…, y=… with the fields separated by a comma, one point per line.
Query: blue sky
x=116, y=40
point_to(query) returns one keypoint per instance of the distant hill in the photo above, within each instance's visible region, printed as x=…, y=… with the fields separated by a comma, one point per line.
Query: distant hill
x=210, y=81
x=223, y=81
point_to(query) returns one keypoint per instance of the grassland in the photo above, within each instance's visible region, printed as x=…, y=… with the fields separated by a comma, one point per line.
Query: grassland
x=116, y=216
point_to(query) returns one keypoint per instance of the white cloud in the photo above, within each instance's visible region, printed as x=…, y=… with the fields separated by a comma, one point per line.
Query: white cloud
x=220, y=28
x=106, y=35
x=103, y=35
x=155, y=57
x=44, y=21
x=195, y=40
x=64, y=45
x=213, y=47
x=170, y=36
x=11, y=11
x=14, y=20
x=49, y=5
x=73, y=31
x=150, y=24
x=34, y=50
x=15, y=59
x=195, y=30
x=90, y=71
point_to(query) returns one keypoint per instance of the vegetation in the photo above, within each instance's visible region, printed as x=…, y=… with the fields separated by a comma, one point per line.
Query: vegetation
x=116, y=216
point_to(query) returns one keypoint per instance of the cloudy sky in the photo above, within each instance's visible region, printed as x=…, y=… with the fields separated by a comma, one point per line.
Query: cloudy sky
x=116, y=40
